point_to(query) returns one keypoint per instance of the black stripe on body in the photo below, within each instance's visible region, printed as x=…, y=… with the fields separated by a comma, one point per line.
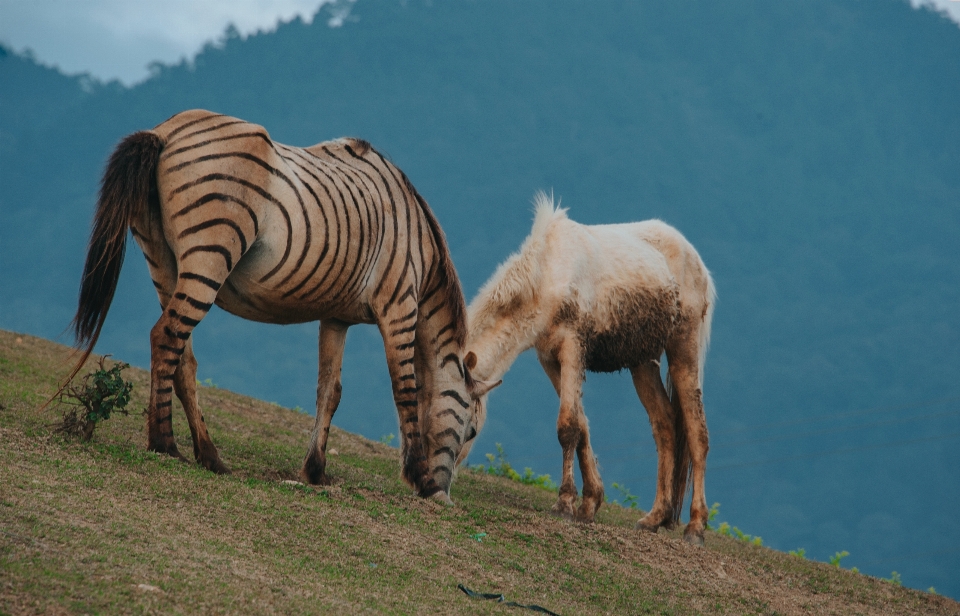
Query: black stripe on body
x=167, y=153
x=207, y=198
x=232, y=122
x=213, y=284
x=338, y=232
x=171, y=349
x=174, y=132
x=198, y=305
x=216, y=222
x=407, y=403
x=220, y=250
x=273, y=171
x=164, y=390
x=326, y=226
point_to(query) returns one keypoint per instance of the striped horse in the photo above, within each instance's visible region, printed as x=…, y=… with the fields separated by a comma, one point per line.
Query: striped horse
x=334, y=232
x=601, y=299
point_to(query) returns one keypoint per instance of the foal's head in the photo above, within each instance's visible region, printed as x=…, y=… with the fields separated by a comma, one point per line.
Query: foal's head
x=478, y=396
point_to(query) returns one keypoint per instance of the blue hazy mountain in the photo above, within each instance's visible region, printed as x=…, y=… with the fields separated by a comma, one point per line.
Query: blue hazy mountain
x=809, y=150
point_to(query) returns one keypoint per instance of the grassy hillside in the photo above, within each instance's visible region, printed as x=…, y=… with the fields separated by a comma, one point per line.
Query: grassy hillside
x=108, y=527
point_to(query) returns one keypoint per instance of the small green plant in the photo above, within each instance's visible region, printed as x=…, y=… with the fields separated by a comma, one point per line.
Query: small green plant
x=895, y=579
x=499, y=467
x=742, y=536
x=836, y=558
x=386, y=439
x=98, y=395
x=478, y=537
x=208, y=383
x=724, y=529
x=932, y=590
x=712, y=514
x=628, y=500
x=799, y=553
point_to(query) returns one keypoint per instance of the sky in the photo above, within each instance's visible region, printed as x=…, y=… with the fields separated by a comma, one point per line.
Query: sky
x=118, y=39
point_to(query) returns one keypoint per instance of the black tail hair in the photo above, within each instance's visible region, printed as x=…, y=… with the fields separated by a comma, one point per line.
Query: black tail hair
x=127, y=192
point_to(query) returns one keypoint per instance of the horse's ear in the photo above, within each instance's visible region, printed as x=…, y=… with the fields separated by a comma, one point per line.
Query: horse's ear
x=482, y=388
x=470, y=360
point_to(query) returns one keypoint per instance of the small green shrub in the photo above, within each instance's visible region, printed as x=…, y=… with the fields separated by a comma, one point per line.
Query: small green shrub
x=628, y=500
x=98, y=395
x=836, y=558
x=714, y=510
x=499, y=467
x=386, y=439
x=895, y=579
x=799, y=553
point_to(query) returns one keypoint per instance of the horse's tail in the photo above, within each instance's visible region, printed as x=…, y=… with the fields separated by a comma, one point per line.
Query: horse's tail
x=681, y=451
x=128, y=191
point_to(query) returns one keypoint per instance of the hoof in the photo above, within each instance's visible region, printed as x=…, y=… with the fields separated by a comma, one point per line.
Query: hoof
x=314, y=472
x=170, y=450
x=563, y=510
x=651, y=523
x=693, y=537
x=217, y=466
x=585, y=515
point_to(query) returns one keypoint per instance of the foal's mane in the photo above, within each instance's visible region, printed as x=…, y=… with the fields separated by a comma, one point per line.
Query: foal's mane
x=517, y=279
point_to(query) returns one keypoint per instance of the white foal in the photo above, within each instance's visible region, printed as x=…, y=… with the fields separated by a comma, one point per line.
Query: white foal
x=604, y=298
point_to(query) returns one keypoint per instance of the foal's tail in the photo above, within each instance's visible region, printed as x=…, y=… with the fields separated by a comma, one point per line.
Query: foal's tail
x=681, y=452
x=128, y=192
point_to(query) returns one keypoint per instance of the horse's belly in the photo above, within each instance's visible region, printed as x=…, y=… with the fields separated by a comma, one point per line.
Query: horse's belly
x=244, y=297
x=633, y=328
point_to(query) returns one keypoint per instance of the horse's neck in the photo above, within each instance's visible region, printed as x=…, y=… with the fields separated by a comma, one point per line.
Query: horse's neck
x=502, y=340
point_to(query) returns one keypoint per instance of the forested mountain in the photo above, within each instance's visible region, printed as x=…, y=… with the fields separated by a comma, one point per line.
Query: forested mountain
x=809, y=150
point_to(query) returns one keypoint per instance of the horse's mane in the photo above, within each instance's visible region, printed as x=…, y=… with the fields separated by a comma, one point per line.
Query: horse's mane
x=517, y=279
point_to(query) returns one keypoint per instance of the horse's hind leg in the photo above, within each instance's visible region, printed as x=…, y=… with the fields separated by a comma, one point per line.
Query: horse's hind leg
x=185, y=385
x=192, y=299
x=646, y=379
x=683, y=360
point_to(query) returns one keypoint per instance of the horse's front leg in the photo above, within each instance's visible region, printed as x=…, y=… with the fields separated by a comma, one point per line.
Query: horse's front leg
x=333, y=336
x=566, y=374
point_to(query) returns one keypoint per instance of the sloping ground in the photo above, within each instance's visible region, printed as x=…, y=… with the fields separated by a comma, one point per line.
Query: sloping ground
x=107, y=527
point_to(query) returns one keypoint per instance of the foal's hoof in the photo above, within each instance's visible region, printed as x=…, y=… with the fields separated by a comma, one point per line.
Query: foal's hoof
x=693, y=537
x=563, y=510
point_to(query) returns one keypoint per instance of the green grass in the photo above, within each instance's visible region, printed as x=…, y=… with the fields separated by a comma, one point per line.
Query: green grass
x=107, y=527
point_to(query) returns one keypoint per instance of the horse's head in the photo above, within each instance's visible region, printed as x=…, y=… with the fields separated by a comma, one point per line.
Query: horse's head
x=478, y=397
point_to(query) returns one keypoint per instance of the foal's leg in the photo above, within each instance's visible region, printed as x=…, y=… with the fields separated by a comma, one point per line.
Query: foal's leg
x=646, y=379
x=573, y=433
x=185, y=385
x=683, y=361
x=333, y=336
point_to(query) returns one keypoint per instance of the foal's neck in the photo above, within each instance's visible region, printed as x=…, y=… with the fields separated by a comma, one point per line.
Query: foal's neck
x=501, y=340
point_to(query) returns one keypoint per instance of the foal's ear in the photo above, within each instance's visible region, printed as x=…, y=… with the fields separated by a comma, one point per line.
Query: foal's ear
x=482, y=388
x=470, y=360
